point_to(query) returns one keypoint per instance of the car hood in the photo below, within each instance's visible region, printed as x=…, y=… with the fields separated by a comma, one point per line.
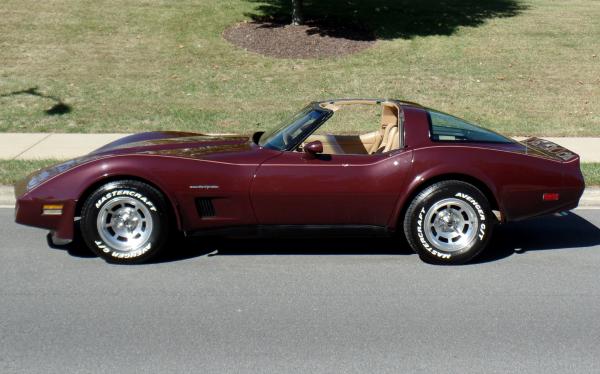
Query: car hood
x=172, y=143
x=169, y=143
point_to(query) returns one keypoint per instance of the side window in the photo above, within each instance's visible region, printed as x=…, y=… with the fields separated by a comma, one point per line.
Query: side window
x=445, y=127
x=359, y=129
x=353, y=119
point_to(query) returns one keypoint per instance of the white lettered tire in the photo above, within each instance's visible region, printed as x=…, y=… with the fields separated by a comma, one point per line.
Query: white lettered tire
x=125, y=222
x=449, y=222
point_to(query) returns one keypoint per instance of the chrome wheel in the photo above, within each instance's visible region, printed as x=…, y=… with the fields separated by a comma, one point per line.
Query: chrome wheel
x=124, y=224
x=450, y=224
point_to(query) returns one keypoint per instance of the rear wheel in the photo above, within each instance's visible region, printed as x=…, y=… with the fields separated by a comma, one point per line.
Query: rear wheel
x=125, y=222
x=449, y=222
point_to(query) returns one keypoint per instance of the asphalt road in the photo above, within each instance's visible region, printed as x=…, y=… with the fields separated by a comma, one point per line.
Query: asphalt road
x=268, y=306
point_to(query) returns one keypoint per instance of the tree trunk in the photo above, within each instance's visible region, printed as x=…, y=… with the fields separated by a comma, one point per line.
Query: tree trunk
x=297, y=18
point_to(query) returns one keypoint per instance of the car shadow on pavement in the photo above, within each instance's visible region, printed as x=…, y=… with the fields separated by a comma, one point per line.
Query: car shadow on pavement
x=76, y=248
x=538, y=234
x=186, y=248
x=543, y=233
x=214, y=246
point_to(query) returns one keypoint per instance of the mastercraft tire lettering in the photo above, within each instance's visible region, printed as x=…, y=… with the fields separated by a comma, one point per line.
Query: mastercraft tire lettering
x=125, y=221
x=449, y=222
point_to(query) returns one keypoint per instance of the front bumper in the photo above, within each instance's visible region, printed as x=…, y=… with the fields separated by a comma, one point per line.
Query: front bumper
x=29, y=211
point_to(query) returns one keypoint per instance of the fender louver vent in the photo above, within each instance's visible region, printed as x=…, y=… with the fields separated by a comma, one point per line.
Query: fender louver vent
x=205, y=207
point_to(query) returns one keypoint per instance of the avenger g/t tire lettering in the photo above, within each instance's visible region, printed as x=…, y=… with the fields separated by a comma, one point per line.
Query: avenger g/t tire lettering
x=449, y=222
x=125, y=222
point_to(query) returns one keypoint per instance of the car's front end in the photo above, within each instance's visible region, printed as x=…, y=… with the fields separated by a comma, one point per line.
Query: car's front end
x=45, y=203
x=49, y=198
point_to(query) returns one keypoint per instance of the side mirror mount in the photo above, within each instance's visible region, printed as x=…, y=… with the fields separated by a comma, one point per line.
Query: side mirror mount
x=313, y=148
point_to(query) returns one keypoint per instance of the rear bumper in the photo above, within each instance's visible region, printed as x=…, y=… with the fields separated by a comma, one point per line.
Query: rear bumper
x=529, y=205
x=526, y=201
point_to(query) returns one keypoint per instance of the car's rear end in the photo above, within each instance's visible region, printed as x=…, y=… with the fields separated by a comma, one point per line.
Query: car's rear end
x=572, y=183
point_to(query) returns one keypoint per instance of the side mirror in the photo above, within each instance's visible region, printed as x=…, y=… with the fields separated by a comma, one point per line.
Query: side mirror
x=311, y=149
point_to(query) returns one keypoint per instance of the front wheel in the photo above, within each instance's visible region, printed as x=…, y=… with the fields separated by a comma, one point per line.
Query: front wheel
x=449, y=222
x=125, y=222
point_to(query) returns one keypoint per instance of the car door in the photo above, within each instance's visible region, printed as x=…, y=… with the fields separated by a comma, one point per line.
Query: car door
x=293, y=188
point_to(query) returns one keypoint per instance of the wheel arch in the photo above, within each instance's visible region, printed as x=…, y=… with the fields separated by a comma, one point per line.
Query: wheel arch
x=422, y=185
x=87, y=192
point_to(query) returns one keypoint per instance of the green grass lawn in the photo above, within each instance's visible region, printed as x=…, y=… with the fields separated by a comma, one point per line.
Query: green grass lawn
x=591, y=173
x=522, y=67
x=13, y=170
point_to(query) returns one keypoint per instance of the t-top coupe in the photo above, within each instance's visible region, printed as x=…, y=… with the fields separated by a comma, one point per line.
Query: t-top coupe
x=442, y=181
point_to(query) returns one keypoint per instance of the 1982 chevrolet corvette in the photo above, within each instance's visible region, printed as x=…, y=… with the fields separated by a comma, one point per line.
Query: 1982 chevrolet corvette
x=442, y=181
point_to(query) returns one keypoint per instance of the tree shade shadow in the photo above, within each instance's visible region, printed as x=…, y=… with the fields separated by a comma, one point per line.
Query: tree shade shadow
x=387, y=19
x=59, y=108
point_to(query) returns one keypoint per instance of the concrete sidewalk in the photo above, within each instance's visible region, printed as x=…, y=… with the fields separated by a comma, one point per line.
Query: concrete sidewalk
x=33, y=146
x=19, y=146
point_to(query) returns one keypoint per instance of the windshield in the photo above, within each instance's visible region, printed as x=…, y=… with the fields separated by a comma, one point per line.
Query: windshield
x=294, y=130
x=445, y=127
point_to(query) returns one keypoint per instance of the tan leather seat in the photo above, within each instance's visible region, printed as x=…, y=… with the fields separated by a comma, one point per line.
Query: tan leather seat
x=388, y=141
x=392, y=138
x=395, y=140
x=376, y=143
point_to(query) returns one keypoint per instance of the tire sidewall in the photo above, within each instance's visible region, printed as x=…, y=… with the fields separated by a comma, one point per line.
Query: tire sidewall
x=139, y=192
x=484, y=225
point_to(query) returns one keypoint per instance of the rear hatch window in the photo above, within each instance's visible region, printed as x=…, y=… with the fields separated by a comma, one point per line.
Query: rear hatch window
x=447, y=128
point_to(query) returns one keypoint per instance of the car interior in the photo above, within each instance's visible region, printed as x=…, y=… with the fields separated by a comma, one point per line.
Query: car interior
x=385, y=136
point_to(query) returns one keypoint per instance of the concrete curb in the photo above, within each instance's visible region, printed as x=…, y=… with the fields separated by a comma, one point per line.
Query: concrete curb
x=590, y=198
x=7, y=196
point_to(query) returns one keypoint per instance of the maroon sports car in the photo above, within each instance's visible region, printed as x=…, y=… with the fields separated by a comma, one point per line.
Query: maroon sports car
x=442, y=181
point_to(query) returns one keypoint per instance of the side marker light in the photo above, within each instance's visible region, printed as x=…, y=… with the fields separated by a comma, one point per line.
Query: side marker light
x=550, y=196
x=52, y=209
